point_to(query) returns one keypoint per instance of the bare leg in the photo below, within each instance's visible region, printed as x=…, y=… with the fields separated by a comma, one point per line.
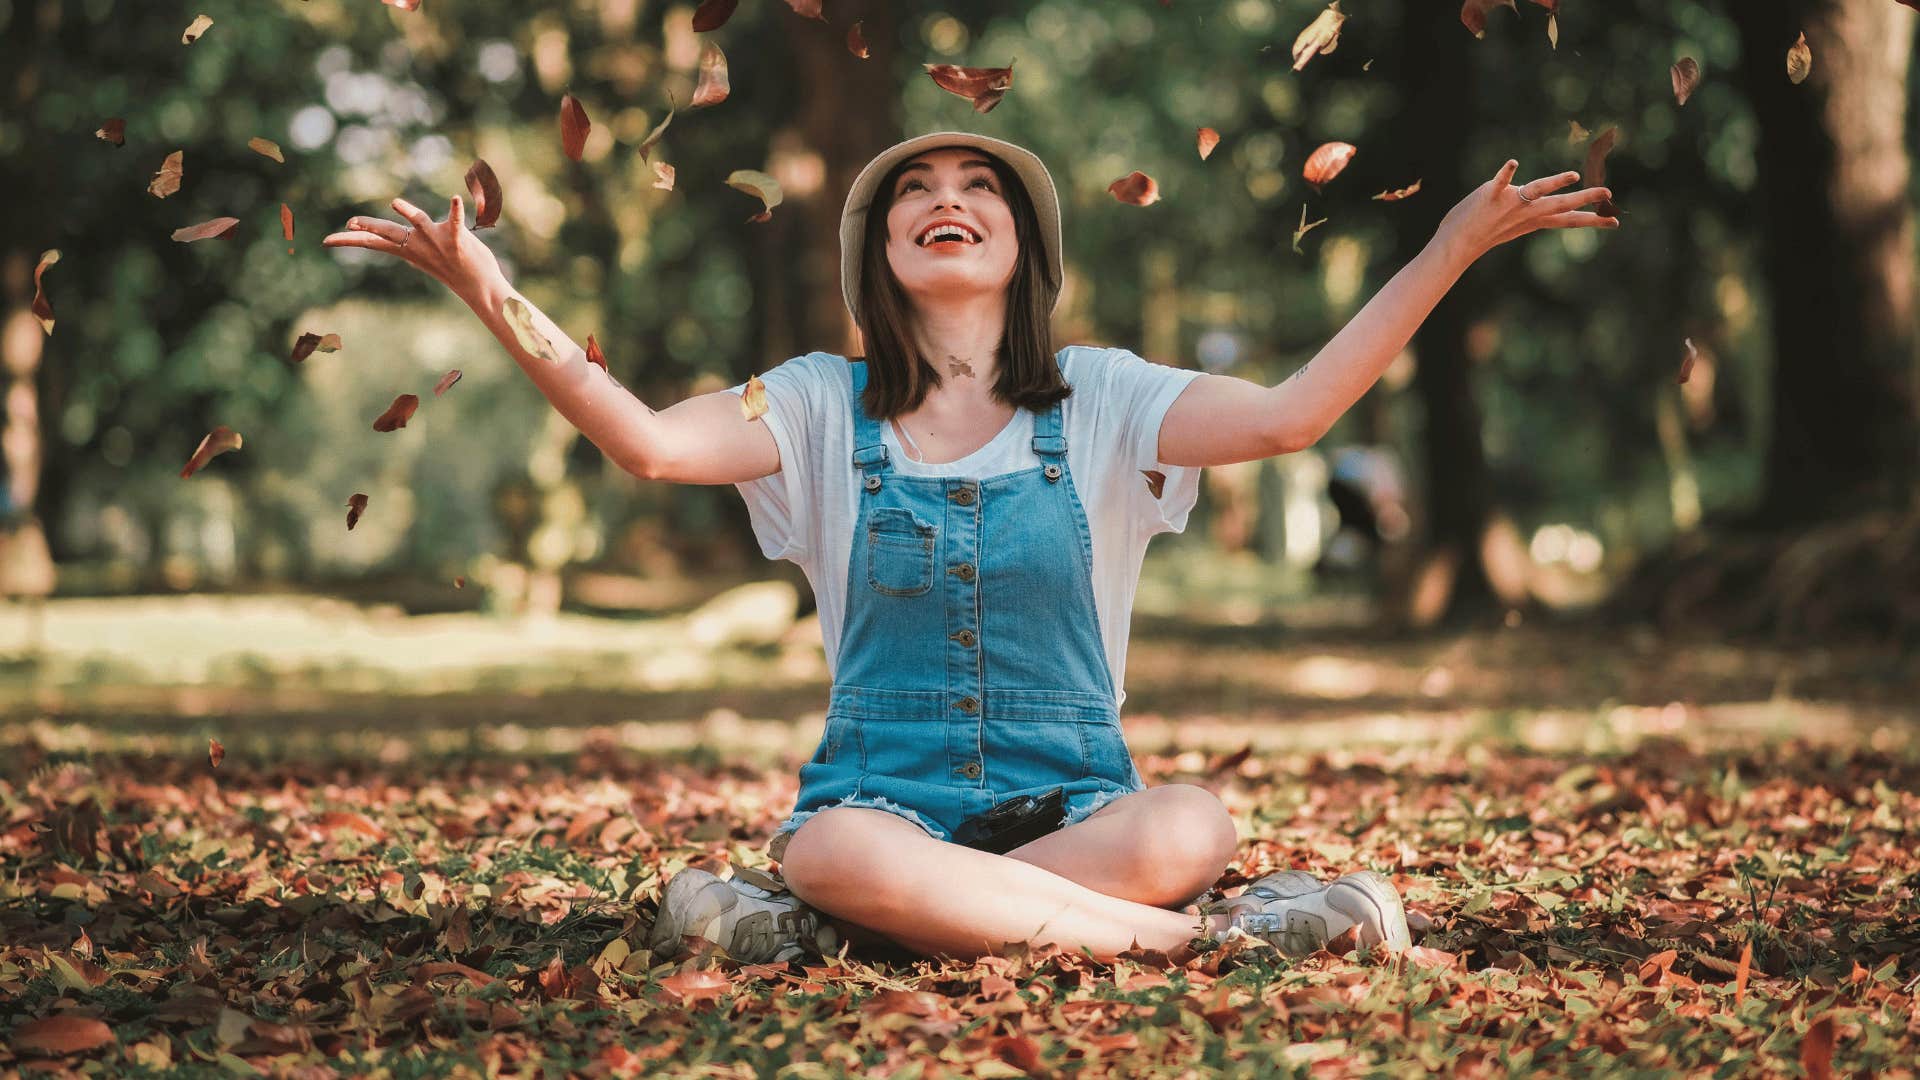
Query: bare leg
x=873, y=869
x=1163, y=846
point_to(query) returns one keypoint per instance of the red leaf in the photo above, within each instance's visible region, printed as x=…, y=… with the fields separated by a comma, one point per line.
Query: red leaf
x=1206, y=139
x=1156, y=481
x=856, y=41
x=713, y=14
x=350, y=820
x=308, y=343
x=1740, y=974
x=446, y=382
x=713, y=88
x=215, y=753
x=695, y=986
x=594, y=355
x=398, y=413
x=286, y=225
x=218, y=441
x=42, y=308
x=574, y=126
x=1686, y=369
x=1686, y=76
x=983, y=86
x=1327, y=162
x=807, y=8
x=1136, y=188
x=1473, y=14
x=1816, y=1049
x=62, y=1034
x=356, y=505
x=219, y=228
x=113, y=131
x=484, y=188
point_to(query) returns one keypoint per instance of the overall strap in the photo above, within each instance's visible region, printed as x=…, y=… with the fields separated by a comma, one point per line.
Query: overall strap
x=1047, y=427
x=870, y=453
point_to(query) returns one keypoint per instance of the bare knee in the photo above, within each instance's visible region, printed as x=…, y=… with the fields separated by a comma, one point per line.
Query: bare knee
x=837, y=854
x=1186, y=842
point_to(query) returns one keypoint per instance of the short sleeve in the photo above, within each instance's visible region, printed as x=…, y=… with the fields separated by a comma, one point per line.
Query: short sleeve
x=781, y=504
x=1148, y=391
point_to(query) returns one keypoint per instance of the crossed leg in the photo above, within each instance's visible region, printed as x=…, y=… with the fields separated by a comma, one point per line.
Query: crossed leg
x=1100, y=884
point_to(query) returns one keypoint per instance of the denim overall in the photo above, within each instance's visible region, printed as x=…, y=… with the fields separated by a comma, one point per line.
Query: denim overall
x=971, y=669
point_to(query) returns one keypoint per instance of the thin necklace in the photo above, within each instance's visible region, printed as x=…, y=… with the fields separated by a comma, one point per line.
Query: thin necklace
x=901, y=429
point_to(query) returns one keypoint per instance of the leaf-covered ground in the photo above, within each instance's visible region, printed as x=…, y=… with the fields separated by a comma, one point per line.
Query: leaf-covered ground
x=483, y=914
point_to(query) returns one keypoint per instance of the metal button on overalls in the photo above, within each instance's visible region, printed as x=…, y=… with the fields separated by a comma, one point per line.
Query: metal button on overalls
x=964, y=571
x=964, y=637
x=963, y=496
x=970, y=770
x=968, y=704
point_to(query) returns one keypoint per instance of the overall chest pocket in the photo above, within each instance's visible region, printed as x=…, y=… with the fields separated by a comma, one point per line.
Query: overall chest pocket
x=899, y=552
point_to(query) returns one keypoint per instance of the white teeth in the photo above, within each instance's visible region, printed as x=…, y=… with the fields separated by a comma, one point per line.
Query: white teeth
x=947, y=232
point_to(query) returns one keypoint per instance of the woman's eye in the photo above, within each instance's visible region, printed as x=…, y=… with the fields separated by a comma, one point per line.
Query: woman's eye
x=982, y=180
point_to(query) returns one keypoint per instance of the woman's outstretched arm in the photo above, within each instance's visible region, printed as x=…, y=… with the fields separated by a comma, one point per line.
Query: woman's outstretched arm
x=1219, y=419
x=703, y=440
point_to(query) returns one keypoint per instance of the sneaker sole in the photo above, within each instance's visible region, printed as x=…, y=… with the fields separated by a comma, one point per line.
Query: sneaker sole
x=1370, y=900
x=691, y=903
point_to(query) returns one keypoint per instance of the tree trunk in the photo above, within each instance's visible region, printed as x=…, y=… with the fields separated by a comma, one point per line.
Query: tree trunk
x=1838, y=254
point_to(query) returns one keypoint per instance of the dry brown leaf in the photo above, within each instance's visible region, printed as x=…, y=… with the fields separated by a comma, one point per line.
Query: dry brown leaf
x=42, y=307
x=351, y=821
x=857, y=41
x=807, y=8
x=663, y=176
x=167, y=180
x=195, y=28
x=1686, y=370
x=520, y=320
x=1799, y=61
x=1320, y=37
x=266, y=148
x=220, y=228
x=483, y=190
x=1305, y=228
x=1396, y=194
x=1326, y=162
x=113, y=131
x=691, y=987
x=446, y=382
x=1156, y=481
x=218, y=441
x=574, y=126
x=713, y=87
x=653, y=137
x=594, y=355
x=759, y=184
x=286, y=225
x=1205, y=140
x=1135, y=188
x=215, y=753
x=1745, y=969
x=981, y=85
x=713, y=14
x=753, y=400
x=1816, y=1049
x=398, y=413
x=356, y=505
x=1686, y=77
x=61, y=1034
x=1473, y=14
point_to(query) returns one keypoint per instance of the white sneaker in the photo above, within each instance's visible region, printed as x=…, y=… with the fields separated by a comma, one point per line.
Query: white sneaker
x=750, y=915
x=1297, y=913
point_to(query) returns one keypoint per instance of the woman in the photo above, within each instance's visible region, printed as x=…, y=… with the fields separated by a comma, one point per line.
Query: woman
x=970, y=508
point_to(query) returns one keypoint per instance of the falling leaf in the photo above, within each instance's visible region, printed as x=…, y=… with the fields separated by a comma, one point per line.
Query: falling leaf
x=520, y=320
x=697, y=985
x=1305, y=227
x=1205, y=140
x=219, y=228
x=356, y=505
x=757, y=183
x=1320, y=37
x=856, y=41
x=113, y=131
x=1745, y=967
x=594, y=355
x=807, y=8
x=713, y=88
x=484, y=189
x=1553, y=30
x=1577, y=134
x=983, y=86
x=1686, y=370
x=713, y=14
x=303, y=346
x=446, y=382
x=663, y=176
x=1156, y=481
x=653, y=137
x=1596, y=171
x=398, y=413
x=218, y=441
x=460, y=582
x=1136, y=188
x=1799, y=61
x=1816, y=1049
x=1368, y=66
x=1327, y=162
x=42, y=308
x=574, y=126
x=195, y=28
x=753, y=400
x=167, y=180
x=1474, y=14
x=64, y=1033
x=1397, y=194
x=286, y=225
x=1686, y=76
x=215, y=753
x=266, y=148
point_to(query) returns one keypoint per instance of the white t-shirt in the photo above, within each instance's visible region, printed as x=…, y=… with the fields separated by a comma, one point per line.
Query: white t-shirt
x=805, y=513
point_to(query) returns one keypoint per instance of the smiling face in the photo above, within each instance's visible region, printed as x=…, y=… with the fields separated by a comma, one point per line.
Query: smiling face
x=960, y=187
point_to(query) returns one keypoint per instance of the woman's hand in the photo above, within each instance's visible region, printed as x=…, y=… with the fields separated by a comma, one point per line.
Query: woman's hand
x=1498, y=211
x=446, y=250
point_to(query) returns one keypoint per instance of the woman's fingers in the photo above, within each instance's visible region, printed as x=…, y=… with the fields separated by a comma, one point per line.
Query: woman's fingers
x=1578, y=219
x=456, y=212
x=360, y=240
x=381, y=227
x=1546, y=184
x=1505, y=175
x=412, y=213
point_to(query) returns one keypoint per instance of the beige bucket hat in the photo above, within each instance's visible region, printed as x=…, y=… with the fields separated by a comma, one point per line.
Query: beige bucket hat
x=1023, y=162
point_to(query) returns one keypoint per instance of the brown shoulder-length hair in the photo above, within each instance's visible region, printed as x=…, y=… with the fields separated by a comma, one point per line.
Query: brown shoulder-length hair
x=898, y=376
